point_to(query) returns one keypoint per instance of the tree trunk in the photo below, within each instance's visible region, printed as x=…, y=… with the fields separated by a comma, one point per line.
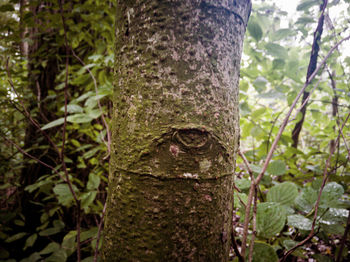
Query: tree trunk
x=175, y=130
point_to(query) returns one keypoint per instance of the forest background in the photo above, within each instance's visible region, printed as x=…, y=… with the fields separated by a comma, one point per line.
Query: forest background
x=57, y=63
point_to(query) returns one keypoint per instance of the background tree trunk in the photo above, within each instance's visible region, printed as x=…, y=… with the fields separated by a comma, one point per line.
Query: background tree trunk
x=175, y=130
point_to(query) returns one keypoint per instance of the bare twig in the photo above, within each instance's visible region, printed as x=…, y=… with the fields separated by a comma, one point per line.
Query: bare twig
x=251, y=248
x=99, y=231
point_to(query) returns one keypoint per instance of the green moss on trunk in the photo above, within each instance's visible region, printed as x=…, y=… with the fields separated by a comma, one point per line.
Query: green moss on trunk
x=175, y=130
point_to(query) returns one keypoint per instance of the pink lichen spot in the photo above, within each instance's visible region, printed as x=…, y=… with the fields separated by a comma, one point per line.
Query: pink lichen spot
x=174, y=150
x=208, y=198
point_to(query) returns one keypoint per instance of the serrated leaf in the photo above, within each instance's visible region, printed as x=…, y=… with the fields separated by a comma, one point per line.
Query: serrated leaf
x=277, y=168
x=270, y=219
x=331, y=193
x=263, y=253
x=255, y=30
x=284, y=193
x=306, y=200
x=300, y=222
x=54, y=123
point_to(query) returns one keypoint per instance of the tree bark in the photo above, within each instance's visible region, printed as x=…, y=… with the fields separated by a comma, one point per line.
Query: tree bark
x=175, y=130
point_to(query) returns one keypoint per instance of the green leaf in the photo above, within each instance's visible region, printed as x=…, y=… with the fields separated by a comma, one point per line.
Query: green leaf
x=277, y=168
x=49, y=231
x=243, y=183
x=94, y=182
x=51, y=247
x=282, y=33
x=63, y=193
x=263, y=253
x=276, y=50
x=30, y=241
x=58, y=255
x=54, y=123
x=87, y=199
x=260, y=83
x=15, y=237
x=79, y=118
x=270, y=219
x=331, y=193
x=306, y=4
x=73, y=109
x=300, y=222
x=306, y=200
x=284, y=193
x=92, y=232
x=255, y=30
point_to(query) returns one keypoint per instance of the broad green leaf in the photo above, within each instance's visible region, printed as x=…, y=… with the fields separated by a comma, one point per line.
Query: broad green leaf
x=94, y=182
x=284, y=193
x=277, y=168
x=260, y=83
x=278, y=63
x=300, y=222
x=243, y=183
x=255, y=30
x=6, y=8
x=88, y=259
x=331, y=193
x=306, y=200
x=270, y=219
x=276, y=50
x=63, y=193
x=322, y=258
x=263, y=253
x=54, y=123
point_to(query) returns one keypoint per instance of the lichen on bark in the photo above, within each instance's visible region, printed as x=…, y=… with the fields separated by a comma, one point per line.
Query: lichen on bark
x=175, y=129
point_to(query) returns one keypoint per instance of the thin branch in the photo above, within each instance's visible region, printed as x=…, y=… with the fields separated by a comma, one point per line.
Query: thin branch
x=275, y=142
x=99, y=231
x=251, y=248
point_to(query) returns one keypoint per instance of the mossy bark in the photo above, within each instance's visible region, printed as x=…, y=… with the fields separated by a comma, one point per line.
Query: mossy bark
x=175, y=130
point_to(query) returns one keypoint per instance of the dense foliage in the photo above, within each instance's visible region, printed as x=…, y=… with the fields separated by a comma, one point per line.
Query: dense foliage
x=54, y=53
